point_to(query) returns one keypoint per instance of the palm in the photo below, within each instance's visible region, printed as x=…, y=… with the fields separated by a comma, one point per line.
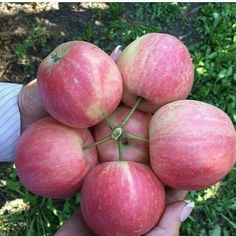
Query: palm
x=76, y=226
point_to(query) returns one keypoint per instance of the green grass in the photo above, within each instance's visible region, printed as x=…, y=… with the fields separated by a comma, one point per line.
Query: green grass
x=209, y=31
x=37, y=36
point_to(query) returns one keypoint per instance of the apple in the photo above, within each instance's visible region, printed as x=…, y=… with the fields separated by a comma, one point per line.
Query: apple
x=79, y=84
x=133, y=149
x=191, y=144
x=122, y=198
x=50, y=160
x=158, y=68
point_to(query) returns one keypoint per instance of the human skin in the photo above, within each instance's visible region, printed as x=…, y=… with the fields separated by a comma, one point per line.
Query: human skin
x=169, y=223
x=30, y=105
x=75, y=226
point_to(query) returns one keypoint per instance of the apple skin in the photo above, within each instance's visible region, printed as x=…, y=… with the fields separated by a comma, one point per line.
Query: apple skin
x=122, y=198
x=79, y=84
x=50, y=161
x=133, y=150
x=157, y=67
x=191, y=144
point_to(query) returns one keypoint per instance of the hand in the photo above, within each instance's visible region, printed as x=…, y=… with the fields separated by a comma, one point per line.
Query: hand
x=75, y=226
x=176, y=212
x=31, y=108
x=30, y=105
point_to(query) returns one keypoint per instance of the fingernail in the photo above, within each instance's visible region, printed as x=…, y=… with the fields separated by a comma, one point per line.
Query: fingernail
x=116, y=53
x=186, y=211
x=117, y=49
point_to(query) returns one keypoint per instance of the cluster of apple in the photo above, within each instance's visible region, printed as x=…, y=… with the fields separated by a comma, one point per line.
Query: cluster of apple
x=119, y=155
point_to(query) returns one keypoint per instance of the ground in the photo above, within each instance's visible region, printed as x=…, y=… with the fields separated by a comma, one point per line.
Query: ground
x=30, y=31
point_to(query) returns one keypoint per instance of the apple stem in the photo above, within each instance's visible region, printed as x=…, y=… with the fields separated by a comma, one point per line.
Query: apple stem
x=124, y=122
x=120, y=146
x=110, y=124
x=104, y=140
x=132, y=136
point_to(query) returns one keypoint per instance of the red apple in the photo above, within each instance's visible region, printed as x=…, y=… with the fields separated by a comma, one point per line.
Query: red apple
x=50, y=160
x=192, y=144
x=158, y=68
x=122, y=198
x=133, y=150
x=79, y=84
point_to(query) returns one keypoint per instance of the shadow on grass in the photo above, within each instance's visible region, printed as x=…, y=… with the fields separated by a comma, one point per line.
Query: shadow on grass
x=30, y=34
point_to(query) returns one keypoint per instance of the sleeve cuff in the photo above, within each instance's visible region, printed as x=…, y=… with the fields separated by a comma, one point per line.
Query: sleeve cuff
x=10, y=120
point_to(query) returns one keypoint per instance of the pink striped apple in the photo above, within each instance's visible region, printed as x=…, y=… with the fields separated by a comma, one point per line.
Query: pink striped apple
x=192, y=144
x=122, y=198
x=136, y=127
x=50, y=160
x=156, y=67
x=79, y=84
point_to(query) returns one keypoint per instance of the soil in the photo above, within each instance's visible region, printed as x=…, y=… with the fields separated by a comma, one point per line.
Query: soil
x=62, y=21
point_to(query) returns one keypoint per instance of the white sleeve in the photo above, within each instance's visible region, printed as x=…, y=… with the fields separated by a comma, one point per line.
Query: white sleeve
x=10, y=121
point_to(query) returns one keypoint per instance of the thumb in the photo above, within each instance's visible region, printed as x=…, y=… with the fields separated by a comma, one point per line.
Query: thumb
x=170, y=222
x=75, y=226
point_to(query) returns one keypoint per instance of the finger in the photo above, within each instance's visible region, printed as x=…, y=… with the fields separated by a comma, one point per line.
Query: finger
x=171, y=220
x=116, y=53
x=174, y=195
x=33, y=96
x=30, y=105
x=74, y=226
x=32, y=83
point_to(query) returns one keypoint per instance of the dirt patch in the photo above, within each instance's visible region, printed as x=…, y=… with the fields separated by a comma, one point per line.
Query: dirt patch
x=34, y=29
x=55, y=22
x=58, y=23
